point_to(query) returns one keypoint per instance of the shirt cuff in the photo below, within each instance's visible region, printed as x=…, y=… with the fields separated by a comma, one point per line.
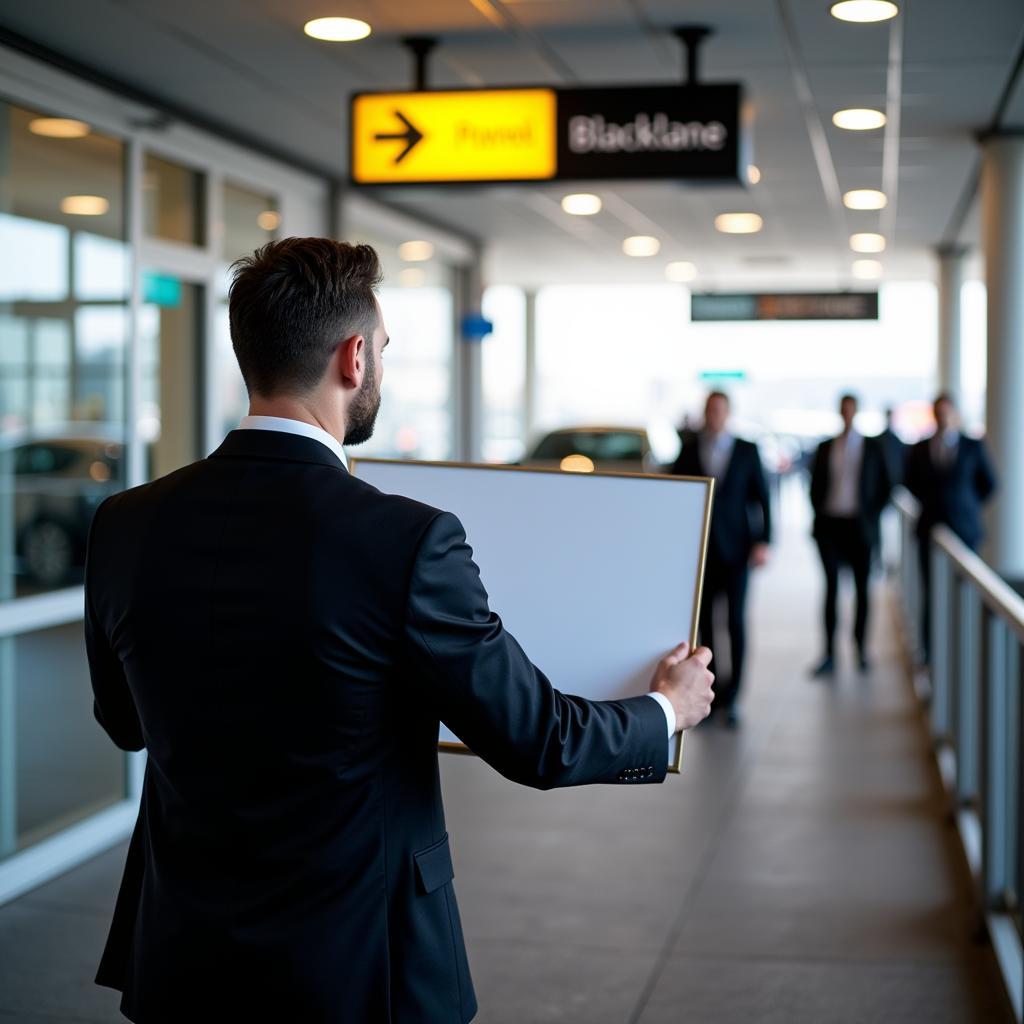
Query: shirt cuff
x=670, y=712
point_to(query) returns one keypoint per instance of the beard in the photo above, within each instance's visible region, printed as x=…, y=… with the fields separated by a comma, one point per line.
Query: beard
x=362, y=413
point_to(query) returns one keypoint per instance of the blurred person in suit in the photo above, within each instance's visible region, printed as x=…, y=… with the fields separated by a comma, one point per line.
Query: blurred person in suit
x=850, y=486
x=894, y=449
x=283, y=639
x=951, y=476
x=739, y=536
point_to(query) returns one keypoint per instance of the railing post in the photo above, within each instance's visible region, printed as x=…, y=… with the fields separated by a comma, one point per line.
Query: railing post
x=964, y=629
x=996, y=726
x=939, y=644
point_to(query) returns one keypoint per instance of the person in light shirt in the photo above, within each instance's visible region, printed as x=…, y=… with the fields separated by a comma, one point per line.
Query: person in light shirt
x=951, y=475
x=850, y=486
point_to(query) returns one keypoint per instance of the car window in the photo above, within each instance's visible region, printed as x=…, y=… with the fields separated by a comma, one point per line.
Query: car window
x=601, y=446
x=37, y=459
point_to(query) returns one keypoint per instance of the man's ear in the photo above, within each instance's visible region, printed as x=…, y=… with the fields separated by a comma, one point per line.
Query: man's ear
x=351, y=361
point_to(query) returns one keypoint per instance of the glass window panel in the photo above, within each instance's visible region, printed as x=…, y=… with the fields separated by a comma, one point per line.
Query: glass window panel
x=33, y=260
x=62, y=351
x=66, y=767
x=172, y=200
x=504, y=374
x=250, y=220
x=101, y=267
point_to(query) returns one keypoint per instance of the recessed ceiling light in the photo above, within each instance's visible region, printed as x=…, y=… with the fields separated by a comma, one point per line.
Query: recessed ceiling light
x=416, y=251
x=858, y=119
x=680, y=271
x=864, y=199
x=739, y=223
x=867, y=270
x=58, y=127
x=641, y=245
x=864, y=10
x=753, y=174
x=84, y=206
x=269, y=220
x=337, y=30
x=867, y=241
x=412, y=277
x=581, y=204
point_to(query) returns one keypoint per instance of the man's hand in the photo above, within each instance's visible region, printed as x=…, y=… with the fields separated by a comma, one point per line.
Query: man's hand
x=684, y=678
x=759, y=555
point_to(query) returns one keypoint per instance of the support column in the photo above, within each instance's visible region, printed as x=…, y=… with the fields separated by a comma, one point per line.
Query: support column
x=951, y=280
x=530, y=371
x=1002, y=199
x=469, y=419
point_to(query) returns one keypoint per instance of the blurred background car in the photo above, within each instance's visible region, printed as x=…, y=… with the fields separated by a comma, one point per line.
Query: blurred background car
x=586, y=449
x=59, y=481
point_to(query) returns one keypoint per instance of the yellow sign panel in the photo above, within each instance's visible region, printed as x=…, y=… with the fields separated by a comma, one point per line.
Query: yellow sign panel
x=493, y=135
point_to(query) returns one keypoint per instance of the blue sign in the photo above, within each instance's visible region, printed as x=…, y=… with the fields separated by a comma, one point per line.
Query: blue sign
x=476, y=327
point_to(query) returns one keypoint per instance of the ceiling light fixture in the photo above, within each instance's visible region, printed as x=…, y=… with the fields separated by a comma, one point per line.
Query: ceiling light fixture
x=739, y=223
x=864, y=11
x=269, y=220
x=867, y=241
x=753, y=174
x=84, y=206
x=58, y=127
x=581, y=204
x=680, y=271
x=641, y=245
x=416, y=251
x=867, y=270
x=337, y=30
x=858, y=119
x=864, y=199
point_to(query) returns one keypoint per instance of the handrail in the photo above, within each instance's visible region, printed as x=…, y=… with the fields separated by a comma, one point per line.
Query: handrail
x=994, y=591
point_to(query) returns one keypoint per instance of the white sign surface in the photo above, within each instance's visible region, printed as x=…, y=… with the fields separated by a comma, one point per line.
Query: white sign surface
x=596, y=575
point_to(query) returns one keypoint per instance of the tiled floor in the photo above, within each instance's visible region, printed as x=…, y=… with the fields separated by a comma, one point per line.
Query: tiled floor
x=799, y=871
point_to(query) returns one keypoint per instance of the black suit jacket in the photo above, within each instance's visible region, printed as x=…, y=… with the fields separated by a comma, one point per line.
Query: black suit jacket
x=741, y=512
x=953, y=495
x=874, y=487
x=282, y=638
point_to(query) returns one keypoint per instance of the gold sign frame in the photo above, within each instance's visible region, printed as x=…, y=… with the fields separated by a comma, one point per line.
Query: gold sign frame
x=675, y=766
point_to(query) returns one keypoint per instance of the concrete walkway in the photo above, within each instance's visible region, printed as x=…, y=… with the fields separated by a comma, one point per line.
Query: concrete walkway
x=799, y=871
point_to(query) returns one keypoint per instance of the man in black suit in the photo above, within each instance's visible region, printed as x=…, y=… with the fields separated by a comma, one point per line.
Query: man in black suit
x=740, y=533
x=951, y=475
x=283, y=640
x=894, y=450
x=849, y=488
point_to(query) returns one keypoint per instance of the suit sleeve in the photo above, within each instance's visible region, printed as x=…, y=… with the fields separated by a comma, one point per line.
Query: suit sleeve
x=913, y=481
x=491, y=696
x=759, y=496
x=819, y=468
x=113, y=704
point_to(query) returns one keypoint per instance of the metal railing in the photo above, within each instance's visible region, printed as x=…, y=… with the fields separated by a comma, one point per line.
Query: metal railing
x=974, y=682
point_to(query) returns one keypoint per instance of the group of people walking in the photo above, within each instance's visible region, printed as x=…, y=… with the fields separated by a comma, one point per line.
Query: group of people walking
x=852, y=480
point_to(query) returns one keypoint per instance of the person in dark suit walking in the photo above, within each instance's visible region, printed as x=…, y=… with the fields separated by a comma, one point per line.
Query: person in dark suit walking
x=283, y=640
x=951, y=476
x=849, y=488
x=894, y=450
x=739, y=538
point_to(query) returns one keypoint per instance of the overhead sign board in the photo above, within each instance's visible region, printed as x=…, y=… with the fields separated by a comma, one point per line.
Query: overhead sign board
x=785, y=306
x=523, y=135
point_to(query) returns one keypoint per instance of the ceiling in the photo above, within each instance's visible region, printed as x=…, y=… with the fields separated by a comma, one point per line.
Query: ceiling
x=940, y=70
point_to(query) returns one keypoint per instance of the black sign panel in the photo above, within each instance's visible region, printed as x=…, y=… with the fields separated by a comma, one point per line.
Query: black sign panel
x=681, y=132
x=785, y=306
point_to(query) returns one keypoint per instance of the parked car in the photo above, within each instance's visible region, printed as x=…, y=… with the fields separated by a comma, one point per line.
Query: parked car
x=584, y=449
x=58, y=484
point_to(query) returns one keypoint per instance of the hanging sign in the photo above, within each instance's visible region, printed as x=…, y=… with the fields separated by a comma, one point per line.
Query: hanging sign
x=785, y=306
x=522, y=135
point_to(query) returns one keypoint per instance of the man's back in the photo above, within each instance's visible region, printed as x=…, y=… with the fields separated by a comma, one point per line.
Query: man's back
x=283, y=640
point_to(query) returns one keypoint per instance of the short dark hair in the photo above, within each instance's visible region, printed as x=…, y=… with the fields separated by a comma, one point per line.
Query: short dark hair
x=944, y=396
x=717, y=394
x=848, y=397
x=291, y=302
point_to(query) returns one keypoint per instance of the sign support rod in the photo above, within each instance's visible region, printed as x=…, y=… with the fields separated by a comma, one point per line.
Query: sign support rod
x=691, y=36
x=420, y=48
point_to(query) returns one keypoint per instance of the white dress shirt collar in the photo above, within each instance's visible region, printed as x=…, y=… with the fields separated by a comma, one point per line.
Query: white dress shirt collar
x=289, y=426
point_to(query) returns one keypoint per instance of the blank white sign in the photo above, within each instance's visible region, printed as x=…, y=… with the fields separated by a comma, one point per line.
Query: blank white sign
x=596, y=575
